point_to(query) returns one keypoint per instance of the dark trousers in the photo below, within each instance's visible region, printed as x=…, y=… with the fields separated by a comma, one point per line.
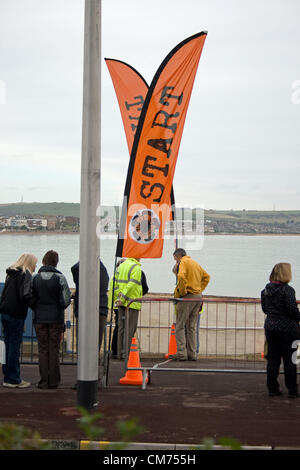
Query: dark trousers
x=13, y=333
x=102, y=326
x=280, y=347
x=114, y=341
x=49, y=337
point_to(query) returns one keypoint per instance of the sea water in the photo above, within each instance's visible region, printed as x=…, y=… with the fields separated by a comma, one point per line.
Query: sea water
x=239, y=265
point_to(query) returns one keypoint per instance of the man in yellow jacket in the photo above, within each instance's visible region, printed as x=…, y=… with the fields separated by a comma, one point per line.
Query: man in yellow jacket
x=129, y=287
x=192, y=279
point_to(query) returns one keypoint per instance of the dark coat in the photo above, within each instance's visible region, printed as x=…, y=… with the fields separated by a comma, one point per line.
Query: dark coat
x=52, y=295
x=17, y=293
x=104, y=280
x=144, y=284
x=278, y=302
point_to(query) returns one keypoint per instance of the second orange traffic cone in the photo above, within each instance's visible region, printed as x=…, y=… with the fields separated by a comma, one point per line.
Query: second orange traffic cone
x=172, y=343
x=133, y=377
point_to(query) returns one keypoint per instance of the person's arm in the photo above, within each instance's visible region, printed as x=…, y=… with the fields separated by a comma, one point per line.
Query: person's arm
x=104, y=281
x=144, y=284
x=75, y=275
x=205, y=278
x=104, y=278
x=175, y=268
x=65, y=295
x=291, y=304
x=27, y=290
x=263, y=301
x=180, y=289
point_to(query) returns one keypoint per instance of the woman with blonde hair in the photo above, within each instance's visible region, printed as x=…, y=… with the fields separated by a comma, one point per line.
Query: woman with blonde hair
x=282, y=330
x=16, y=297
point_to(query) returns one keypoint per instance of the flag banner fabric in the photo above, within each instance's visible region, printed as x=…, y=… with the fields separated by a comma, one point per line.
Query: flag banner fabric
x=131, y=90
x=154, y=152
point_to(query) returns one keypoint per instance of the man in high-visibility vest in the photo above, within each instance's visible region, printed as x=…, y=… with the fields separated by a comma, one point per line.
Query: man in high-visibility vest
x=130, y=288
x=192, y=279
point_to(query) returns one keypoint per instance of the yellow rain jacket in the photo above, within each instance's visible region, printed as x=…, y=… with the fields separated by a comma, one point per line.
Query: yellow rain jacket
x=191, y=278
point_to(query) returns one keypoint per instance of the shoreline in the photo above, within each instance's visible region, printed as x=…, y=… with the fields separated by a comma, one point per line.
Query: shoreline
x=111, y=235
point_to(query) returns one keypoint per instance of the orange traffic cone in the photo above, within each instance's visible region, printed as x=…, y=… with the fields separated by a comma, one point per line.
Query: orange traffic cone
x=133, y=377
x=172, y=343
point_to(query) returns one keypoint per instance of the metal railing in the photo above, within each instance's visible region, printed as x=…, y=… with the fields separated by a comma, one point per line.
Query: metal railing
x=230, y=334
x=231, y=337
x=29, y=346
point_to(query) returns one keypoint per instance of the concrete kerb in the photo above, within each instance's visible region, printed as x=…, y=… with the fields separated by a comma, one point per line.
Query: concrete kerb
x=107, y=445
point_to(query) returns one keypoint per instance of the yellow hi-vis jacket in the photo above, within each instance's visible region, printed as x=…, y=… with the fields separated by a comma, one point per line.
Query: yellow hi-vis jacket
x=113, y=289
x=129, y=282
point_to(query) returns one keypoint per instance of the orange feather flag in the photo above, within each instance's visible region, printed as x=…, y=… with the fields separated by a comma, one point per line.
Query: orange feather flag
x=154, y=152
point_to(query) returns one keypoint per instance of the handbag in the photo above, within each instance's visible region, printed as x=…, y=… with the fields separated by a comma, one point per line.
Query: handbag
x=2, y=352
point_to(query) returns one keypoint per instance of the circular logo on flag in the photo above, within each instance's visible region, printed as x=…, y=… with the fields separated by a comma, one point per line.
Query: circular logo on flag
x=144, y=226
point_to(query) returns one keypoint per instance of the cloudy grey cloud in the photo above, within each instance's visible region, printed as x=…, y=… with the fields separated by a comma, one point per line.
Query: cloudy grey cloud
x=240, y=146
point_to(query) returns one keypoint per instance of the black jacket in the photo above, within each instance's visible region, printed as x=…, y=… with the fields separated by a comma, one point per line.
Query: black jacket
x=17, y=293
x=52, y=295
x=104, y=280
x=144, y=284
x=278, y=302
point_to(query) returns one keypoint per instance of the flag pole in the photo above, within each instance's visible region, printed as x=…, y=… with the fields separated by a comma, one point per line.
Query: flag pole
x=89, y=272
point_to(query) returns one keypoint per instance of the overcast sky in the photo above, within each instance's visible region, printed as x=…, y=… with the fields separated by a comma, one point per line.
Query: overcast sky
x=241, y=142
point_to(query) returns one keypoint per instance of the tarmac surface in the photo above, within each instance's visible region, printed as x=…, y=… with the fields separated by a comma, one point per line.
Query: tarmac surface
x=182, y=407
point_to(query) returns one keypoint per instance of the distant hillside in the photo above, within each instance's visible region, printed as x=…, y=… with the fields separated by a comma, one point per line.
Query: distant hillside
x=259, y=217
x=280, y=222
x=39, y=208
x=73, y=209
x=230, y=221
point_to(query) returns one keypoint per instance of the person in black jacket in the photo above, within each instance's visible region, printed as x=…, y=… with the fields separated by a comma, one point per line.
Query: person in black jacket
x=103, y=300
x=53, y=296
x=282, y=331
x=16, y=298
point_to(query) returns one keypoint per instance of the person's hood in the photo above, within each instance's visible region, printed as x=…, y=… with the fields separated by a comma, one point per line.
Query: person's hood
x=47, y=269
x=14, y=272
x=273, y=288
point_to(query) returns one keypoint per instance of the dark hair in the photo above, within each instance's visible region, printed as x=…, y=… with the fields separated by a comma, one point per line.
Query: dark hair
x=179, y=252
x=50, y=258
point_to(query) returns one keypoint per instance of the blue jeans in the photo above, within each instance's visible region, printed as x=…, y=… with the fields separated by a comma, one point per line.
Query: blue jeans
x=13, y=333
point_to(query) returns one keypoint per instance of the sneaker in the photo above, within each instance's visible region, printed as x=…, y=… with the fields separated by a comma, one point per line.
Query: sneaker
x=22, y=384
x=293, y=394
x=6, y=384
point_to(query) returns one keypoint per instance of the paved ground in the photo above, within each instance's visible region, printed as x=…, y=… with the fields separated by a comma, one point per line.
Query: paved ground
x=176, y=407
